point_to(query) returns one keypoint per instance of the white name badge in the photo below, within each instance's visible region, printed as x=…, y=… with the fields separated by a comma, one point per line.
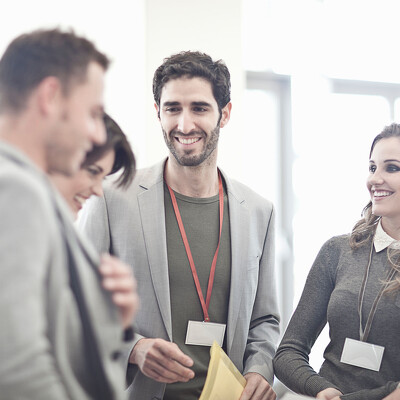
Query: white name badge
x=362, y=354
x=204, y=333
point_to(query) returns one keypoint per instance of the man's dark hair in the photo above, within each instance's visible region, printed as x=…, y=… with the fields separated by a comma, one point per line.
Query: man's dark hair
x=124, y=157
x=194, y=64
x=32, y=57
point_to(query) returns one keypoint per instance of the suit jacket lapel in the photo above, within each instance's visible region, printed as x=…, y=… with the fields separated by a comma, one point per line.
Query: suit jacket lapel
x=238, y=218
x=152, y=212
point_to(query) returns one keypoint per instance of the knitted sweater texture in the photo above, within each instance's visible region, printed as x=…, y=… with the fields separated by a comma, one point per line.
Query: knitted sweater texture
x=331, y=296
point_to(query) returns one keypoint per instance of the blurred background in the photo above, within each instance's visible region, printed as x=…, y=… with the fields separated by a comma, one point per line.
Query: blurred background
x=313, y=81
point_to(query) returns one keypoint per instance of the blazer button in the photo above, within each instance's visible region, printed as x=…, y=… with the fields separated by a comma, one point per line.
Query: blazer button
x=115, y=355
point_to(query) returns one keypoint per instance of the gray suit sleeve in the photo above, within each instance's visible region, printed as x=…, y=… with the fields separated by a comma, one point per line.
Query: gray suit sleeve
x=264, y=325
x=27, y=369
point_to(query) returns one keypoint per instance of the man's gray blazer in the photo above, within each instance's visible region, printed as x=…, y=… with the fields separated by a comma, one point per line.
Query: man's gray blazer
x=131, y=224
x=42, y=352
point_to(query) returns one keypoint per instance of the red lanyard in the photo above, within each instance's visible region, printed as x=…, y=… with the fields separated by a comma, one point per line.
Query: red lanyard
x=204, y=305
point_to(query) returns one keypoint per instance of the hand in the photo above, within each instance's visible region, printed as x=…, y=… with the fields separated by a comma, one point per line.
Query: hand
x=329, y=394
x=257, y=388
x=119, y=281
x=395, y=395
x=162, y=361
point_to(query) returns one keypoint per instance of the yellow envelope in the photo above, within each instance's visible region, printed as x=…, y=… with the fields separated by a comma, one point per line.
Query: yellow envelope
x=224, y=381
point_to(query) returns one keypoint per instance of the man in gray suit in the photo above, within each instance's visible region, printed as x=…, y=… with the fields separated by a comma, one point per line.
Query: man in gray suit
x=201, y=244
x=61, y=333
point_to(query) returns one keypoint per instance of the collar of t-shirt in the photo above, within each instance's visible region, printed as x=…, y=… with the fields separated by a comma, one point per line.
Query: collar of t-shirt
x=382, y=240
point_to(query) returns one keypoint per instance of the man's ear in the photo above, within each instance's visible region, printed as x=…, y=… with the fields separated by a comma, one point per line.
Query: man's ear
x=157, y=110
x=49, y=94
x=225, y=115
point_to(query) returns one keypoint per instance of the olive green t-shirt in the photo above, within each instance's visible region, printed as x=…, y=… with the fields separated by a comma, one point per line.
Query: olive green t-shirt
x=200, y=218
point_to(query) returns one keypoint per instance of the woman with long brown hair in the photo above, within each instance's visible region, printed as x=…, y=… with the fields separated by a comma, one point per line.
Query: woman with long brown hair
x=353, y=286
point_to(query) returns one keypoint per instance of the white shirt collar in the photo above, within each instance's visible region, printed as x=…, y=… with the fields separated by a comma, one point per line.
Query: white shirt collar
x=381, y=239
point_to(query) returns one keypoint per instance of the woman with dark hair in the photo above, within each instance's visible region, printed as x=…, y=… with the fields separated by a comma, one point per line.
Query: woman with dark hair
x=354, y=286
x=115, y=155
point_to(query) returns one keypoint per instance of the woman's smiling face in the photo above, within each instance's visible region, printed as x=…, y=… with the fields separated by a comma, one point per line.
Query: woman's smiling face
x=85, y=183
x=384, y=179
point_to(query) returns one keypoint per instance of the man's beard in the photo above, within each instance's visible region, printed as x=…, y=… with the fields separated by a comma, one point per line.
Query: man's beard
x=187, y=159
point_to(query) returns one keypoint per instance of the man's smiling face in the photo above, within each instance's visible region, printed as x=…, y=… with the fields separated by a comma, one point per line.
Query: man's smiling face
x=190, y=119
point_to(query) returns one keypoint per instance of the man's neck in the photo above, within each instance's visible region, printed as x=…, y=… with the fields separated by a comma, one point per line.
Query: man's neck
x=20, y=133
x=200, y=181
